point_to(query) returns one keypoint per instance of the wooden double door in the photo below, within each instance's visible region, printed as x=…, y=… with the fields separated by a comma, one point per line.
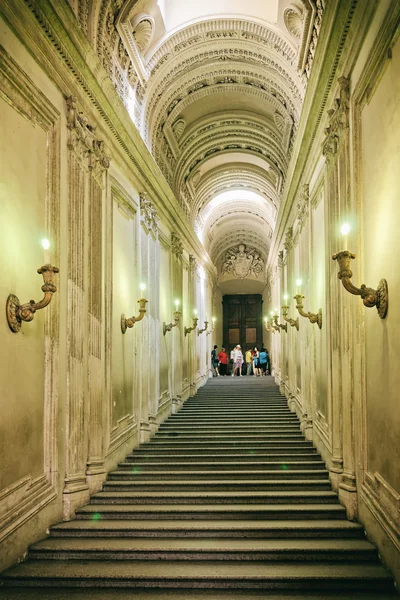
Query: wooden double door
x=242, y=321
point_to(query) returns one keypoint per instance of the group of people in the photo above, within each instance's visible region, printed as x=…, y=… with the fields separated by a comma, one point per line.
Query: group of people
x=255, y=362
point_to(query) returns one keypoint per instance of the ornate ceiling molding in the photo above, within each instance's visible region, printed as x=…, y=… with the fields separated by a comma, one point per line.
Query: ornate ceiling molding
x=222, y=29
x=235, y=176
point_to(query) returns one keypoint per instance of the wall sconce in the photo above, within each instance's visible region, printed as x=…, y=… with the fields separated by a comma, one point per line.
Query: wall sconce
x=266, y=326
x=280, y=325
x=272, y=324
x=16, y=312
x=177, y=318
x=130, y=321
x=370, y=297
x=195, y=321
x=312, y=317
x=210, y=331
x=204, y=328
x=285, y=310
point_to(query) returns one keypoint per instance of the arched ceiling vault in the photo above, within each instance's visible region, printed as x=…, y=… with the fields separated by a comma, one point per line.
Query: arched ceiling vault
x=217, y=98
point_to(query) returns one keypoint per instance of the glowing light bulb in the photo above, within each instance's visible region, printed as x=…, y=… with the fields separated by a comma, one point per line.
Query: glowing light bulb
x=298, y=284
x=177, y=304
x=142, y=288
x=285, y=297
x=345, y=230
x=46, y=246
x=195, y=312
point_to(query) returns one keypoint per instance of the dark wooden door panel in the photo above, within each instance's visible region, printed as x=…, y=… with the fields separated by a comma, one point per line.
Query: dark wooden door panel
x=242, y=321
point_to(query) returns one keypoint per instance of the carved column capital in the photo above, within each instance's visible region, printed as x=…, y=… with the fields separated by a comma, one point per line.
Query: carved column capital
x=288, y=243
x=83, y=142
x=192, y=263
x=303, y=204
x=176, y=245
x=148, y=214
x=338, y=120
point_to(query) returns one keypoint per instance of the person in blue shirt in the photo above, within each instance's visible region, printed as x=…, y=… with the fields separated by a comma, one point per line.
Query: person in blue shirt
x=263, y=361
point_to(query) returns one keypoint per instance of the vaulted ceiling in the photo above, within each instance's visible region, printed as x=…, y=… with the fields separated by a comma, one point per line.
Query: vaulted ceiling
x=216, y=96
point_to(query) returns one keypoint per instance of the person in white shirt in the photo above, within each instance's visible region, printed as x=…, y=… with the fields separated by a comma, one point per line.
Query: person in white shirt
x=237, y=360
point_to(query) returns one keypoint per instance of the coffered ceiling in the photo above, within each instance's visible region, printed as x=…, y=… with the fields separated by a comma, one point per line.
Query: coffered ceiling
x=216, y=91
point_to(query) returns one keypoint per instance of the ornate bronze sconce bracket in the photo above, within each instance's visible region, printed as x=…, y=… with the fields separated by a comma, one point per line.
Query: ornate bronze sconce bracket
x=312, y=317
x=272, y=324
x=177, y=318
x=280, y=325
x=199, y=331
x=189, y=329
x=292, y=322
x=267, y=328
x=130, y=321
x=370, y=297
x=16, y=312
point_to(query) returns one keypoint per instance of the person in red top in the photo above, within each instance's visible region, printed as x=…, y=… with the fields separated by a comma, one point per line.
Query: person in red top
x=223, y=361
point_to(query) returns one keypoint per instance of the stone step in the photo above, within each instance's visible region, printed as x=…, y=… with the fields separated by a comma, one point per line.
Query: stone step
x=200, y=574
x=226, y=420
x=241, y=529
x=67, y=593
x=291, y=497
x=118, y=484
x=147, y=466
x=134, y=472
x=283, y=444
x=256, y=426
x=308, y=453
x=226, y=512
x=204, y=549
x=229, y=436
x=230, y=408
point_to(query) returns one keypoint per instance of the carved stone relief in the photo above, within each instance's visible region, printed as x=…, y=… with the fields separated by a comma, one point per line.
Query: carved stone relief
x=303, y=205
x=83, y=142
x=338, y=120
x=148, y=214
x=192, y=263
x=176, y=245
x=242, y=262
x=288, y=243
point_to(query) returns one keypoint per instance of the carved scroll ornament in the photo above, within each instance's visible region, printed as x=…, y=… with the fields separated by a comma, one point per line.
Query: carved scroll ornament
x=83, y=141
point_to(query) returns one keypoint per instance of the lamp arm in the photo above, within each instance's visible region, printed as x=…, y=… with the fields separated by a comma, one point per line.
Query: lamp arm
x=16, y=312
x=370, y=297
x=312, y=317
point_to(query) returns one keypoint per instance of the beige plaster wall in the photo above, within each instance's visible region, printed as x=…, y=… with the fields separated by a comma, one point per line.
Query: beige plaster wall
x=23, y=176
x=380, y=221
x=125, y=295
x=319, y=300
x=167, y=308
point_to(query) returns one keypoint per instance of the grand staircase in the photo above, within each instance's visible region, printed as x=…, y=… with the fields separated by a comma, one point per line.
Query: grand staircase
x=228, y=500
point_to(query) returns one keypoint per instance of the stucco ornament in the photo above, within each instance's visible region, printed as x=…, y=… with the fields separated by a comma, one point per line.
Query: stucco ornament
x=242, y=262
x=148, y=214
